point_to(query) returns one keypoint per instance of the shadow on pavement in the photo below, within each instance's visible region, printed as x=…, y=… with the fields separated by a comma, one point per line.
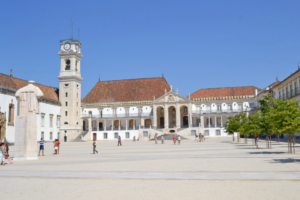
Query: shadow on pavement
x=266, y=152
x=287, y=160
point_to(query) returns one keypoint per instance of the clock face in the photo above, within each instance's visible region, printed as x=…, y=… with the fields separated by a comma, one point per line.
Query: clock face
x=67, y=46
x=77, y=48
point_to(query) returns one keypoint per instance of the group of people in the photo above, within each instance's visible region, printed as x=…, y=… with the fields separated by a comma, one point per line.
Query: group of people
x=199, y=137
x=42, y=146
x=176, y=138
x=4, y=153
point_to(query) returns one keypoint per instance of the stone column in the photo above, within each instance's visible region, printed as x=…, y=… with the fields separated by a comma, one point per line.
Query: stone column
x=166, y=117
x=190, y=116
x=126, y=124
x=215, y=121
x=119, y=124
x=142, y=122
x=154, y=116
x=221, y=121
x=105, y=125
x=178, y=121
x=97, y=124
x=90, y=124
x=112, y=124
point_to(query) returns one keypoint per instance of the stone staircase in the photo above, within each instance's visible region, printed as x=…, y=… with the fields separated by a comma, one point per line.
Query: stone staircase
x=169, y=137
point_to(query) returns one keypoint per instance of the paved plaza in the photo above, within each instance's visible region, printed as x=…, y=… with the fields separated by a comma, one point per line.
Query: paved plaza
x=215, y=169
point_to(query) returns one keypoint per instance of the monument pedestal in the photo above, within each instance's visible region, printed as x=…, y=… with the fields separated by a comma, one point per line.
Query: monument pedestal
x=26, y=136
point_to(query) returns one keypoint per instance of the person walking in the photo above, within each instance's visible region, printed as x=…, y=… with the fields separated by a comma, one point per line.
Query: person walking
x=119, y=141
x=200, y=137
x=196, y=137
x=56, y=146
x=174, y=139
x=94, y=146
x=42, y=144
x=155, y=138
x=162, y=139
x=2, y=153
x=7, y=153
x=133, y=140
x=178, y=139
x=149, y=136
x=256, y=141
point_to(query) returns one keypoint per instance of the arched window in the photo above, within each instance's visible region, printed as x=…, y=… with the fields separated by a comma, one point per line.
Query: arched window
x=68, y=65
x=66, y=123
x=11, y=111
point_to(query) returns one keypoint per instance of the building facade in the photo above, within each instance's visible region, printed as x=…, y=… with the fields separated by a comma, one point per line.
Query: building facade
x=126, y=108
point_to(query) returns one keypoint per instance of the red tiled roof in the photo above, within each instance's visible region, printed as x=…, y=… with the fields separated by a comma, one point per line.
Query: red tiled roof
x=16, y=83
x=224, y=92
x=127, y=90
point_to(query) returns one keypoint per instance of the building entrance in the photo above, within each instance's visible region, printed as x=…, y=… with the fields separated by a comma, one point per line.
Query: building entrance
x=185, y=121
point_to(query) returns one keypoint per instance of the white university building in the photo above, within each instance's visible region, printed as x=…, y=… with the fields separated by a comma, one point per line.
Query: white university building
x=126, y=108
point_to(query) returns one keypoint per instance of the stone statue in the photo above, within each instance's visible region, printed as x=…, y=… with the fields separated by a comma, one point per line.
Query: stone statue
x=30, y=94
x=26, y=122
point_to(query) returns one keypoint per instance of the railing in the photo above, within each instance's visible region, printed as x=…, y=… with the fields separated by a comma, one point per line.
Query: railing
x=219, y=125
x=290, y=94
x=71, y=40
x=118, y=115
x=196, y=125
x=160, y=127
x=224, y=111
x=171, y=126
x=184, y=126
x=94, y=129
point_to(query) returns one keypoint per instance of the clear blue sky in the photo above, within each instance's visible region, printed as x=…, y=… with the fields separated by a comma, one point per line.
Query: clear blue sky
x=197, y=44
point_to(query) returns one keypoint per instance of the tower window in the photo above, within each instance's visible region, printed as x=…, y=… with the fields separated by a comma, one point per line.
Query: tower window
x=66, y=94
x=77, y=95
x=76, y=66
x=66, y=113
x=66, y=104
x=68, y=65
x=77, y=104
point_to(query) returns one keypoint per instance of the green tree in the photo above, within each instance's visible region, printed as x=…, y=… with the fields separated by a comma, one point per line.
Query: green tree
x=266, y=123
x=244, y=126
x=286, y=119
x=232, y=125
x=254, y=125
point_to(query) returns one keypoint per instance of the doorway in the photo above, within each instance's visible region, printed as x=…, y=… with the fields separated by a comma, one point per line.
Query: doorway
x=162, y=121
x=185, y=121
x=100, y=125
x=83, y=126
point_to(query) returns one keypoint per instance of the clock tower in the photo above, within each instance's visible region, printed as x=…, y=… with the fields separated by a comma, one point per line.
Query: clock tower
x=70, y=89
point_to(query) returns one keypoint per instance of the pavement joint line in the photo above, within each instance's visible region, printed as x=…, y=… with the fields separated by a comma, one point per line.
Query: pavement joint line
x=159, y=175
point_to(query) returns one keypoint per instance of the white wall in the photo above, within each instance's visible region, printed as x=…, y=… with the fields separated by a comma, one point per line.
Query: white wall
x=48, y=110
x=111, y=134
x=5, y=100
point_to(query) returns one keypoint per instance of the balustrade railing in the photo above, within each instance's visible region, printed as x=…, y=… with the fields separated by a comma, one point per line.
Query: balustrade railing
x=118, y=115
x=290, y=94
x=223, y=111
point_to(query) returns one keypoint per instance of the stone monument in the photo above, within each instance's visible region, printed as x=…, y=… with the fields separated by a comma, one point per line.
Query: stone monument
x=25, y=126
